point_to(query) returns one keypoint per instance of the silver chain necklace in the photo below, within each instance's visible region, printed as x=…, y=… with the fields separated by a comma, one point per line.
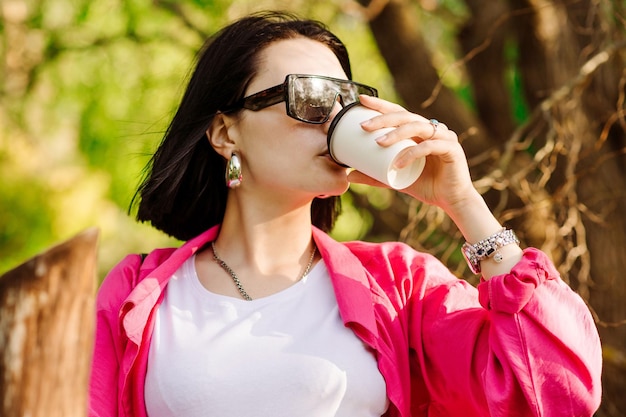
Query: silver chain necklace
x=240, y=288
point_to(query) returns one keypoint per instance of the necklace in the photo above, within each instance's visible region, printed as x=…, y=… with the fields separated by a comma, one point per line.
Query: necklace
x=236, y=280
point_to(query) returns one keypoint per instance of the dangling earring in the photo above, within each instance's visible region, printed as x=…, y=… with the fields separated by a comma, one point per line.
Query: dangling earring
x=233, y=172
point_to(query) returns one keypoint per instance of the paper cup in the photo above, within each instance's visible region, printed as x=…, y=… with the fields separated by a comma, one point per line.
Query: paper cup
x=352, y=146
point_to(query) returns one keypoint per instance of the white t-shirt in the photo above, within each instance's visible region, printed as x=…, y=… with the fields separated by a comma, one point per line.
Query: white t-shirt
x=287, y=354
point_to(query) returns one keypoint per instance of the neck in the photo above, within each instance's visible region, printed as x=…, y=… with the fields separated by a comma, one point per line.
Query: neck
x=266, y=240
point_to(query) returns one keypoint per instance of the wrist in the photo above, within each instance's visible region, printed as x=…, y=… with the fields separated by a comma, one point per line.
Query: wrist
x=488, y=248
x=474, y=218
x=476, y=222
x=469, y=198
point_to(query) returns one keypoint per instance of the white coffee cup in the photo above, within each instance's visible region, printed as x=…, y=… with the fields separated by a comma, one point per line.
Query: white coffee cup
x=351, y=146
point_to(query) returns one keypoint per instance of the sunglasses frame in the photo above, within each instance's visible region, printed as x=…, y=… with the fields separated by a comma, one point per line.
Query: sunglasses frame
x=278, y=93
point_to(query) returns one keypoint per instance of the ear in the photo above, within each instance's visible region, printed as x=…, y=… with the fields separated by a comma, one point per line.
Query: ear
x=222, y=135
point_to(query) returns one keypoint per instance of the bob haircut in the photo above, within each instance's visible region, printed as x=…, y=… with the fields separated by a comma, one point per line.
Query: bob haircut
x=183, y=192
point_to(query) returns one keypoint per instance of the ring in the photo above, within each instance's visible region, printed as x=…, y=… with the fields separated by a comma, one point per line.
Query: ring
x=435, y=124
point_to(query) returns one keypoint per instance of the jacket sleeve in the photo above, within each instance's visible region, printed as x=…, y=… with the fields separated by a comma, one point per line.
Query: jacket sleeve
x=525, y=345
x=108, y=343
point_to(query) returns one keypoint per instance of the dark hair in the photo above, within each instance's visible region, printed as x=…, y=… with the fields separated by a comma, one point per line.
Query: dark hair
x=183, y=192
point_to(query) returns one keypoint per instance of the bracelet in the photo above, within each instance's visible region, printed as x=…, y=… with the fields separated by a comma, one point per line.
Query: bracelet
x=486, y=248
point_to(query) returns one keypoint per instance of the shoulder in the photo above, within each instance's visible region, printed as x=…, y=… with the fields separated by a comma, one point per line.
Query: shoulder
x=399, y=263
x=394, y=254
x=123, y=277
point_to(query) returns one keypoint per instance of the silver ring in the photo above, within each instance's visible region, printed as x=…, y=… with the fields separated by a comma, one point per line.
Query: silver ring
x=435, y=124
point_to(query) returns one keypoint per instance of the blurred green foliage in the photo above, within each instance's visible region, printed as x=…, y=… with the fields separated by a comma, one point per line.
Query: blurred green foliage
x=88, y=89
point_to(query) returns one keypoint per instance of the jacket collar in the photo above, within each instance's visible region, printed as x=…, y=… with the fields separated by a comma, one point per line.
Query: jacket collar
x=138, y=305
x=349, y=278
x=351, y=282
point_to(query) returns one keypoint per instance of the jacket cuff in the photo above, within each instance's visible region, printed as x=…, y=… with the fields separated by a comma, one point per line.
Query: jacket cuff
x=509, y=293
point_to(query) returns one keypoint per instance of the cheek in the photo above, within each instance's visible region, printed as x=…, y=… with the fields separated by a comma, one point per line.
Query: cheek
x=274, y=133
x=273, y=142
x=264, y=127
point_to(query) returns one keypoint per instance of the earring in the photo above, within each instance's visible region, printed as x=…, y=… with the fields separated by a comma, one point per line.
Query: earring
x=233, y=172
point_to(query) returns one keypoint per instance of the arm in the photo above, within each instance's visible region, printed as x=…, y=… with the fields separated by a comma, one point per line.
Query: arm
x=103, y=390
x=445, y=181
x=476, y=222
x=530, y=348
x=109, y=345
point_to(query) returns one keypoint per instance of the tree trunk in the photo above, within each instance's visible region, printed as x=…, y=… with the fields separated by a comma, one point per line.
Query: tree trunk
x=402, y=46
x=483, y=39
x=580, y=62
x=46, y=331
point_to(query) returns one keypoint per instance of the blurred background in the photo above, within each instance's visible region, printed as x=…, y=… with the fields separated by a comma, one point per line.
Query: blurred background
x=535, y=89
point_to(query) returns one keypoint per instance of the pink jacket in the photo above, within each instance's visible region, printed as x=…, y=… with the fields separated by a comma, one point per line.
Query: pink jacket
x=522, y=344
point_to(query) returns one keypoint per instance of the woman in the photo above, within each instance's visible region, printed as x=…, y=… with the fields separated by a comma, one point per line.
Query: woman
x=261, y=313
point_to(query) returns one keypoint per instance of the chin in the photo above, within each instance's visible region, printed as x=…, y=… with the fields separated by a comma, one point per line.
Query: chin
x=332, y=182
x=337, y=191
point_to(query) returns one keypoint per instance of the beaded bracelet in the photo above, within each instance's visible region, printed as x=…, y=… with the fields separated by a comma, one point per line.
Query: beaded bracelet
x=486, y=248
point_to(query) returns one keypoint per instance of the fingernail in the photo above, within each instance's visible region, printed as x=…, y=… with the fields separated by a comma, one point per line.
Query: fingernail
x=366, y=122
x=381, y=139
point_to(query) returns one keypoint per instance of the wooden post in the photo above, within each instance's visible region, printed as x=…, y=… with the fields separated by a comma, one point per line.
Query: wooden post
x=46, y=331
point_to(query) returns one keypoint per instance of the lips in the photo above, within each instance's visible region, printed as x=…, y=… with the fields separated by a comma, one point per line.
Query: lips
x=327, y=156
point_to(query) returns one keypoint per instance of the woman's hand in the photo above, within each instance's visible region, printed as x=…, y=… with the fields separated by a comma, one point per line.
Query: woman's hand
x=445, y=181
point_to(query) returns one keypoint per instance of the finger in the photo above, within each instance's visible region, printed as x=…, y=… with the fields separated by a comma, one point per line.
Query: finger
x=394, y=115
x=447, y=151
x=392, y=119
x=419, y=132
x=358, y=177
x=378, y=104
x=441, y=131
x=436, y=125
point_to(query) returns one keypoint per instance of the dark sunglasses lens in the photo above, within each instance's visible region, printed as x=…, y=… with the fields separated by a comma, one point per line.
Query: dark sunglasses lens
x=350, y=93
x=312, y=99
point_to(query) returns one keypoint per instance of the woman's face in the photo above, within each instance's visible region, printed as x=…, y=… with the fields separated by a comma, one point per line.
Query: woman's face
x=281, y=155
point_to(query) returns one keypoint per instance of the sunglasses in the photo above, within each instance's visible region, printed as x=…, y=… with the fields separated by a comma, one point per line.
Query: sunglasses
x=308, y=98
